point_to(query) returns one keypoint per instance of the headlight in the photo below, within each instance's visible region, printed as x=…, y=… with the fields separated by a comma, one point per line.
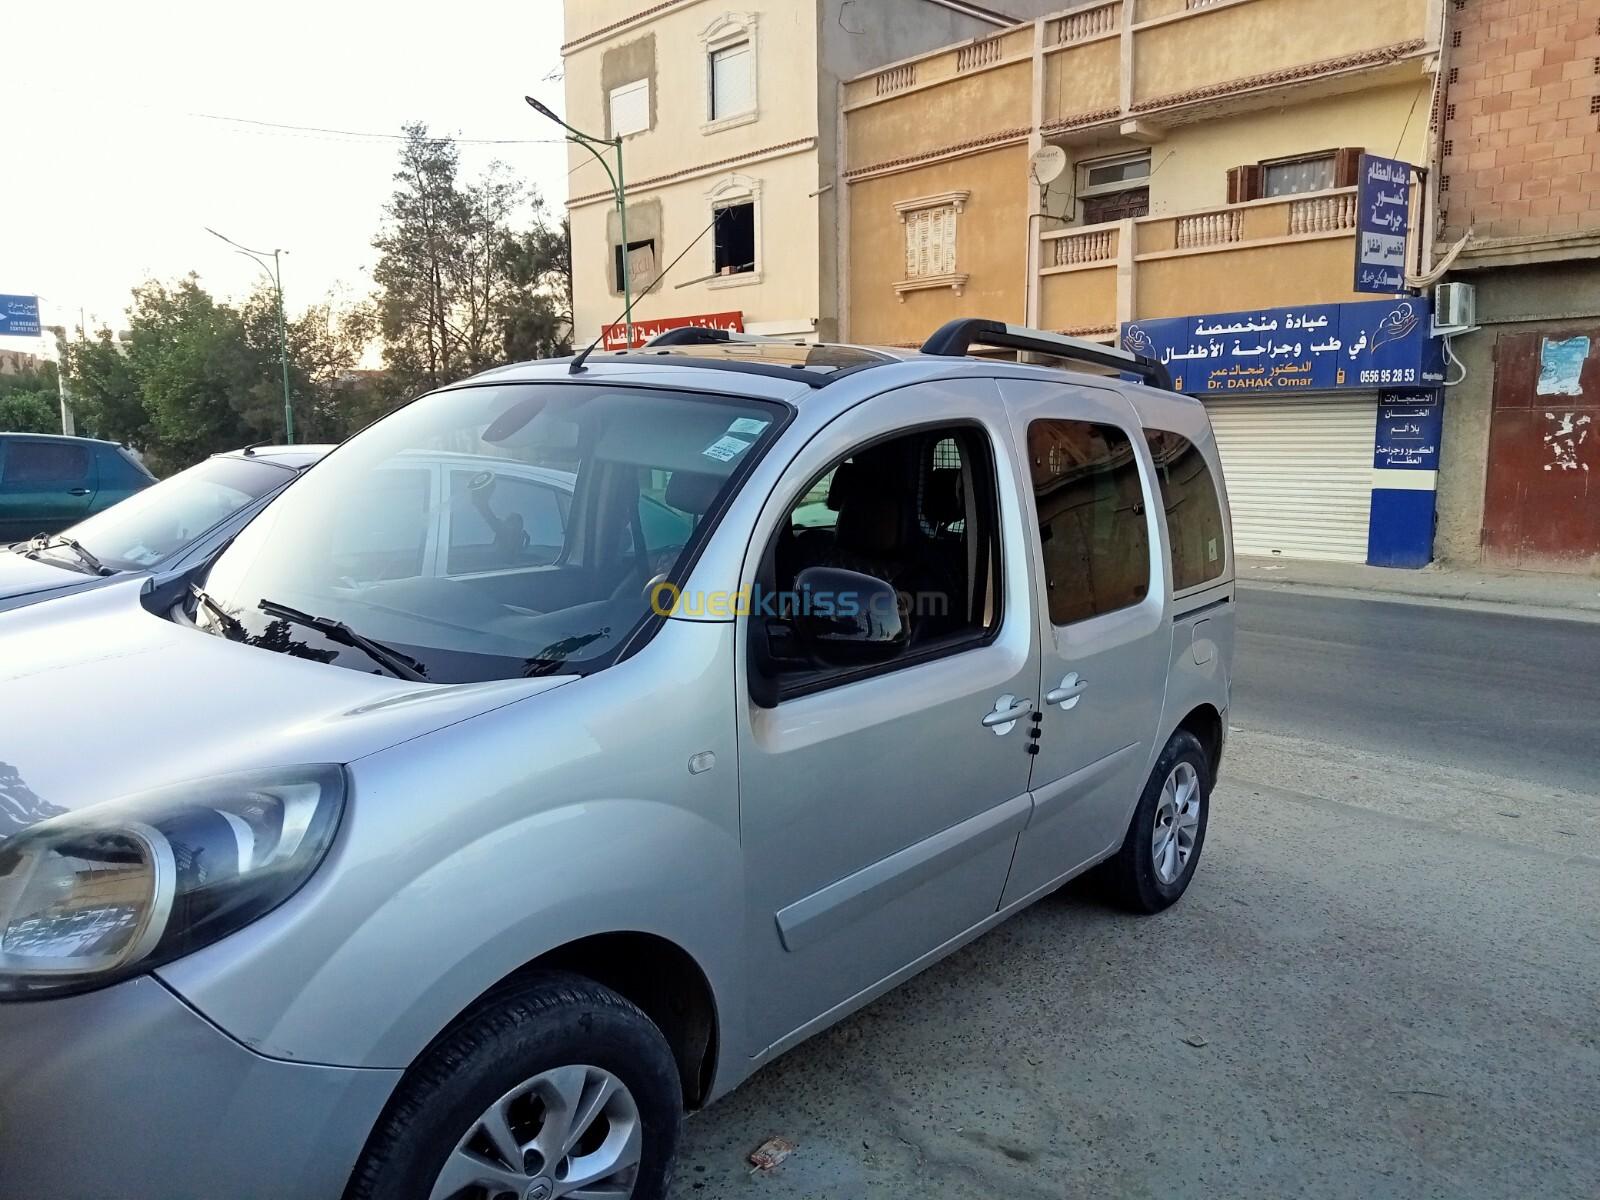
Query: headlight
x=122, y=887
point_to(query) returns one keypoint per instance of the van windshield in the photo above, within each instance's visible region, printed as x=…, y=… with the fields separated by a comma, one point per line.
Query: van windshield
x=490, y=532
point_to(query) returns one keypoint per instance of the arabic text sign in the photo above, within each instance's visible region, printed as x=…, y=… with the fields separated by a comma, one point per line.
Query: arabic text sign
x=616, y=336
x=1383, y=219
x=1409, y=428
x=19, y=316
x=1316, y=348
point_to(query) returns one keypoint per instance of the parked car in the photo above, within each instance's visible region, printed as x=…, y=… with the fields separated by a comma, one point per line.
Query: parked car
x=365, y=878
x=163, y=531
x=48, y=482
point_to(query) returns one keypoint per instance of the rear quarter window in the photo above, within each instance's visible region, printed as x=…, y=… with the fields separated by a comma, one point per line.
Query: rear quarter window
x=1194, y=514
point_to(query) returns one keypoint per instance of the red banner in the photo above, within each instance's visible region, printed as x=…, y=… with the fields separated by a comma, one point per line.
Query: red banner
x=616, y=336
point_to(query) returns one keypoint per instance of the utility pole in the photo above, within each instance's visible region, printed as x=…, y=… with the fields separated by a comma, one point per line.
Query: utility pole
x=275, y=274
x=617, y=190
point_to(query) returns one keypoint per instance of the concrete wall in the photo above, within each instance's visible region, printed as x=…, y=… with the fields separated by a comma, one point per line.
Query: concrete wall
x=990, y=246
x=1553, y=299
x=1209, y=46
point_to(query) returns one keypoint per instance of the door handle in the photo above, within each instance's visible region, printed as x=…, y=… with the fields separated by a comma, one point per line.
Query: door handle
x=1008, y=710
x=1067, y=694
x=78, y=491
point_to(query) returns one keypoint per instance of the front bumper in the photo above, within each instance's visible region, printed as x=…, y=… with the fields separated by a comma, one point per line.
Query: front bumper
x=128, y=1092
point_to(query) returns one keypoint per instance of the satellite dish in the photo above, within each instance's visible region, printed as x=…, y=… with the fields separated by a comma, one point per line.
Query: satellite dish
x=1047, y=164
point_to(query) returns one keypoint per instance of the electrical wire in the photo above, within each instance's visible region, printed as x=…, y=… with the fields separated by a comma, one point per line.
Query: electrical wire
x=1450, y=354
x=359, y=135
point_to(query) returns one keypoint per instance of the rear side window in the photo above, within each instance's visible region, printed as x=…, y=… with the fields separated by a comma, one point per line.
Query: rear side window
x=1194, y=515
x=45, y=462
x=1091, y=518
x=117, y=470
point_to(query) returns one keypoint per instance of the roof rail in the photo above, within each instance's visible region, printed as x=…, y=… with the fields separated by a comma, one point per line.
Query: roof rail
x=695, y=335
x=954, y=339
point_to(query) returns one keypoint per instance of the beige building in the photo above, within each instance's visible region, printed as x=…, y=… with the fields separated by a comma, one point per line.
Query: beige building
x=729, y=119
x=1207, y=153
x=1177, y=174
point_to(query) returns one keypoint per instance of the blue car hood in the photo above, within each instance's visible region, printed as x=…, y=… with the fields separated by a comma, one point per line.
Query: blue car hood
x=100, y=698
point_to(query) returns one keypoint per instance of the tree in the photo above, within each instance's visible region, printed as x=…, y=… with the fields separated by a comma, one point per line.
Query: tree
x=428, y=221
x=469, y=276
x=105, y=396
x=29, y=401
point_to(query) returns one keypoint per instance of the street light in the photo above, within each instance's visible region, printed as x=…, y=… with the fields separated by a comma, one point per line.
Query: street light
x=276, y=275
x=589, y=144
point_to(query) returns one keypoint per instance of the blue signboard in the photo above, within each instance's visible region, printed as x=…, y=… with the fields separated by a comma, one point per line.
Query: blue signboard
x=19, y=316
x=1362, y=346
x=1409, y=428
x=1383, y=219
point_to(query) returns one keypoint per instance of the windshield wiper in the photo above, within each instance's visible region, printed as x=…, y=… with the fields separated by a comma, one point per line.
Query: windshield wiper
x=88, y=560
x=401, y=666
x=226, y=619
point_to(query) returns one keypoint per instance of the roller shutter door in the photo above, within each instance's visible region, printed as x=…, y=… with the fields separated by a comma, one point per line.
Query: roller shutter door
x=1299, y=474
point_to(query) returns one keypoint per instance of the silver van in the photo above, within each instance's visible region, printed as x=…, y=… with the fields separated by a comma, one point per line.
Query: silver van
x=334, y=873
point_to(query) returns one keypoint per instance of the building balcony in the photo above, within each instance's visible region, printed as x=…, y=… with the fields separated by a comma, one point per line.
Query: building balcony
x=1263, y=254
x=1160, y=63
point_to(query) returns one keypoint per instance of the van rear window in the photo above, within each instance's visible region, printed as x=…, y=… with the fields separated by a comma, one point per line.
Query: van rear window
x=1194, y=514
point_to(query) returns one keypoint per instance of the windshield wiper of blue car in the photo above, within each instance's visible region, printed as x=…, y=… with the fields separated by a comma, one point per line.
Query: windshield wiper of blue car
x=401, y=666
x=61, y=541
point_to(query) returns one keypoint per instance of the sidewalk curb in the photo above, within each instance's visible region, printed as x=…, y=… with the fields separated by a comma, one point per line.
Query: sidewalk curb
x=1438, y=598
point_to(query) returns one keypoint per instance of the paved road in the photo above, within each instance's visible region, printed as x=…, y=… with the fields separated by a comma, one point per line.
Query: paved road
x=1515, y=695
x=1390, y=955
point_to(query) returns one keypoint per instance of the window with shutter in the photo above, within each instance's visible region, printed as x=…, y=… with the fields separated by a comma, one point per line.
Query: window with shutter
x=931, y=242
x=731, y=79
x=630, y=108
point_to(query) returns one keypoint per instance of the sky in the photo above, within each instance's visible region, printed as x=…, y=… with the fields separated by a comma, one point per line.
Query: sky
x=108, y=177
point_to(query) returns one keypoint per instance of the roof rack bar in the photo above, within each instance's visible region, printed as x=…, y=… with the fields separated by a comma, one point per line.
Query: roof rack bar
x=955, y=339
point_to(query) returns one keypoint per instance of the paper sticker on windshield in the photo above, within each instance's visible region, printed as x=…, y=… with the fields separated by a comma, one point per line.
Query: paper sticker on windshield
x=750, y=425
x=726, y=449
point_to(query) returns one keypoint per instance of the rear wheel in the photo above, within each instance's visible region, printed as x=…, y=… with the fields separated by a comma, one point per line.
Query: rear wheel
x=563, y=1089
x=1162, y=847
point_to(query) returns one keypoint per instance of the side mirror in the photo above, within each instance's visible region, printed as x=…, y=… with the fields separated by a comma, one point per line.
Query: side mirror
x=845, y=618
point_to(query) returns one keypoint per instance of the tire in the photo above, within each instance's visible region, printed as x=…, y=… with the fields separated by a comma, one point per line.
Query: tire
x=566, y=1036
x=1132, y=876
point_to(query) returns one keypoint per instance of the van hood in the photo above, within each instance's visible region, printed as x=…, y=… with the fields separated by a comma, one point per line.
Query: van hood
x=100, y=698
x=24, y=580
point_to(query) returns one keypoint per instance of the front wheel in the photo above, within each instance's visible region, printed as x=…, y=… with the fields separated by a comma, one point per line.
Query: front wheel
x=562, y=1089
x=1162, y=847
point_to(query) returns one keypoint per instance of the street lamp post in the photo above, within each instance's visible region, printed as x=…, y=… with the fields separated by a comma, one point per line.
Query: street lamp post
x=617, y=190
x=274, y=273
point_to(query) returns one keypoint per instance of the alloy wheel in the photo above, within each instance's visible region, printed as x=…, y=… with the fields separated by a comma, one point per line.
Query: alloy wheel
x=572, y=1132
x=1177, y=821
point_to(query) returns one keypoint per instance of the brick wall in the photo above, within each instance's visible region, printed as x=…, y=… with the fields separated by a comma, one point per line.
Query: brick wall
x=1521, y=117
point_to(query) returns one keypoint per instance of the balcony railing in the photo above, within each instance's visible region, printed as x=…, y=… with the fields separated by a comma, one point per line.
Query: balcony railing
x=979, y=54
x=1210, y=229
x=896, y=79
x=1089, y=22
x=1322, y=214
x=1284, y=250
x=1077, y=248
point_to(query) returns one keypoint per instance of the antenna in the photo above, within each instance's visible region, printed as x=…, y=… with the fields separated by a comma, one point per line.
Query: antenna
x=577, y=363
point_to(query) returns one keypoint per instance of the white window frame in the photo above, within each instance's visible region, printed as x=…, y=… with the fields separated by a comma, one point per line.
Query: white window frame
x=726, y=31
x=611, y=107
x=909, y=211
x=734, y=189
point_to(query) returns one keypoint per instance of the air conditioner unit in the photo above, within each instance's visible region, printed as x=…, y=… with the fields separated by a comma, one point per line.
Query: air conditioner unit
x=1455, y=309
